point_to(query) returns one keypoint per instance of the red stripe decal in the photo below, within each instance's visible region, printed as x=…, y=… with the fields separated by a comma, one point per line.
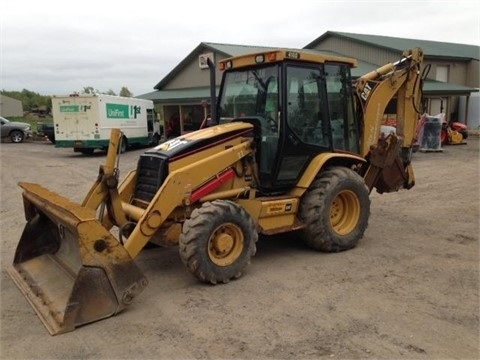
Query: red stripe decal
x=212, y=185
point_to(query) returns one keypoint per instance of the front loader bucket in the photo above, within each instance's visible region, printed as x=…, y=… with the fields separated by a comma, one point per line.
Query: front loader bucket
x=70, y=268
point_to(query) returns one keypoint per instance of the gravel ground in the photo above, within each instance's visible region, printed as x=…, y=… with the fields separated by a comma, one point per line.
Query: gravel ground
x=409, y=290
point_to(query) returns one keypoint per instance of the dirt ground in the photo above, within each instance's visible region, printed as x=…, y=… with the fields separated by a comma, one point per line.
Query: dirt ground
x=409, y=290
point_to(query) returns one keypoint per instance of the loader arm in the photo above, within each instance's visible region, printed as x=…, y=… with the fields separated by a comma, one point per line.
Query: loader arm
x=70, y=268
x=177, y=190
x=388, y=167
x=105, y=188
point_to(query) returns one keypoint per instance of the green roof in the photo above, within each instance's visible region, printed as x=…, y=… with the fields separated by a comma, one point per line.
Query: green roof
x=430, y=48
x=432, y=87
x=235, y=50
x=179, y=96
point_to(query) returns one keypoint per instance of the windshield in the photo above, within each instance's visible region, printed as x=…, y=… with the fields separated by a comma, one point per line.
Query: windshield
x=250, y=93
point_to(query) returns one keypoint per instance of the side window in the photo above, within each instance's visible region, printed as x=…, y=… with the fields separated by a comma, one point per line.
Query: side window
x=271, y=104
x=340, y=104
x=269, y=140
x=304, y=111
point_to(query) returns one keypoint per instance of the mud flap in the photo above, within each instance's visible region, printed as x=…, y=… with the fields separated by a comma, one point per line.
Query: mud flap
x=69, y=267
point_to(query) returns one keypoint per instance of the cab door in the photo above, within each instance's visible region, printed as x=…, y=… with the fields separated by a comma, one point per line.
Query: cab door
x=318, y=116
x=305, y=131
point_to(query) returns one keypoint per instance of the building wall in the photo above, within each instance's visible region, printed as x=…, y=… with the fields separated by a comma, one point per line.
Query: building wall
x=193, y=76
x=457, y=71
x=464, y=73
x=358, y=51
x=188, y=116
x=473, y=75
x=10, y=106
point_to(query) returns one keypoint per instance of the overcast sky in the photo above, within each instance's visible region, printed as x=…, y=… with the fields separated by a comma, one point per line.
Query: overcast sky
x=58, y=47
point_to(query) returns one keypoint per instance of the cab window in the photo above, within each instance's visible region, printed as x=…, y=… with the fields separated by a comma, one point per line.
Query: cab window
x=305, y=113
x=340, y=103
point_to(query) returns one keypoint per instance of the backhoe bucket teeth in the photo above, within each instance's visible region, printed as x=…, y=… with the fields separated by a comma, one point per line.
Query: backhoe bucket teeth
x=69, y=267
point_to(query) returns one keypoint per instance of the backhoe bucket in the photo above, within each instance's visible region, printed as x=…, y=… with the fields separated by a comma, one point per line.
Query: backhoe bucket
x=71, y=269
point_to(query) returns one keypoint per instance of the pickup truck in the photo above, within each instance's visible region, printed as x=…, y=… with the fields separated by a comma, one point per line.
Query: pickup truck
x=48, y=130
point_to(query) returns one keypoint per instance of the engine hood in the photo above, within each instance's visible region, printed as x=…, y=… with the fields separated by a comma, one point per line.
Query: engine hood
x=200, y=140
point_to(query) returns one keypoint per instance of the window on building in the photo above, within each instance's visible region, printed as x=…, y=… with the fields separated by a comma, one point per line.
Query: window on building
x=442, y=73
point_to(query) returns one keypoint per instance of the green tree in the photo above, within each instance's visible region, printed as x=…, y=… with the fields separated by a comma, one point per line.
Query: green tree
x=125, y=92
x=92, y=90
x=30, y=100
x=89, y=90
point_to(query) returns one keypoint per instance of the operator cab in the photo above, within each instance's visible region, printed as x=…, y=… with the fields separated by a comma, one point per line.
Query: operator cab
x=298, y=108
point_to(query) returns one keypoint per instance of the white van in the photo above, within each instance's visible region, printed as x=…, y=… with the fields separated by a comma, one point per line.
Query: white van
x=84, y=121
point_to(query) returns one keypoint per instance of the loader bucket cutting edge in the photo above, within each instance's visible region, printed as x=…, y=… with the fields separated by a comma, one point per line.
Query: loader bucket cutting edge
x=70, y=268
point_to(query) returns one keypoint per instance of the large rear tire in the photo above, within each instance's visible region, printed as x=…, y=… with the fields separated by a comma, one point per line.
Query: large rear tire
x=335, y=210
x=218, y=241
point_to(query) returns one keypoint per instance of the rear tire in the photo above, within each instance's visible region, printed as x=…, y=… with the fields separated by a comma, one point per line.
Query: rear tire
x=218, y=241
x=335, y=210
x=87, y=151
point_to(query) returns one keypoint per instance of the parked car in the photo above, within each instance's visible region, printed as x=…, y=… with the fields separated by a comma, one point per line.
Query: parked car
x=48, y=130
x=16, y=131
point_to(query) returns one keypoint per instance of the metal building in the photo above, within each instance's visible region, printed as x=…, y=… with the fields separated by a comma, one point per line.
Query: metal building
x=182, y=96
x=10, y=107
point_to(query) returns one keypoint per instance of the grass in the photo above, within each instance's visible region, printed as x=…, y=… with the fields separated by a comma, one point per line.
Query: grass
x=33, y=120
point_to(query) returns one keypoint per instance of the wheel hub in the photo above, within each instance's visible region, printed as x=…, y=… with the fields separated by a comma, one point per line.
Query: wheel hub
x=223, y=244
x=345, y=212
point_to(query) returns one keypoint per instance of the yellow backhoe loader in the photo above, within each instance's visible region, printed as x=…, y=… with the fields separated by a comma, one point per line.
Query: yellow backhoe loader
x=296, y=144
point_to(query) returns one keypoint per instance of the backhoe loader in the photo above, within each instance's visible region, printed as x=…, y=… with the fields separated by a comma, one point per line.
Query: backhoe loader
x=295, y=144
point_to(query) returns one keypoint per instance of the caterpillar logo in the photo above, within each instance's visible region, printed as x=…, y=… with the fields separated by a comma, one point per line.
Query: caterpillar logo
x=279, y=208
x=365, y=92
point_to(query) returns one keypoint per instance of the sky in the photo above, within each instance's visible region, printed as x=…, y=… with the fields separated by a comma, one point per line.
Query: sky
x=58, y=47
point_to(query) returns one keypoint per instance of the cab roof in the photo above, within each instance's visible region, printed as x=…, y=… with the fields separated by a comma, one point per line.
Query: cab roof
x=279, y=55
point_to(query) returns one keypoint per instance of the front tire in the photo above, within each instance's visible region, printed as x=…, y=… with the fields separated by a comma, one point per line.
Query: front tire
x=16, y=136
x=335, y=210
x=218, y=241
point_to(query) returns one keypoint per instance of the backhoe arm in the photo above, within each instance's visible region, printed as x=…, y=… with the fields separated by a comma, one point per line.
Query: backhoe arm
x=388, y=167
x=400, y=80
